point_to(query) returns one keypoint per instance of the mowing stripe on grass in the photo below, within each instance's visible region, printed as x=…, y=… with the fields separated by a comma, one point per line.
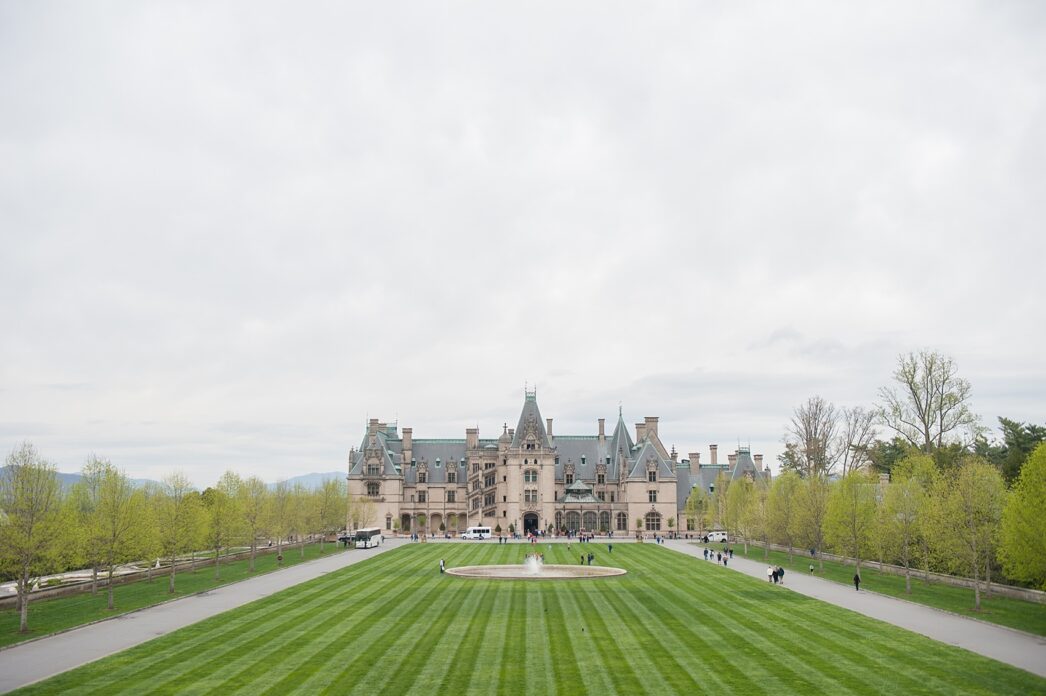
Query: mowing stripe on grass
x=579, y=632
x=456, y=680
x=540, y=678
x=564, y=660
x=607, y=638
x=511, y=676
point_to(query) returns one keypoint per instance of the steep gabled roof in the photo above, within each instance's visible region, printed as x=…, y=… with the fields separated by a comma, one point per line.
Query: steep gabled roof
x=621, y=439
x=530, y=423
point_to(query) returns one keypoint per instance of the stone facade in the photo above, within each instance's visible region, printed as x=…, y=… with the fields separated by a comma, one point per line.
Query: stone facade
x=527, y=479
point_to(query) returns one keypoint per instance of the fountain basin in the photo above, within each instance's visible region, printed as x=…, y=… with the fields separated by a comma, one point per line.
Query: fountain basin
x=547, y=572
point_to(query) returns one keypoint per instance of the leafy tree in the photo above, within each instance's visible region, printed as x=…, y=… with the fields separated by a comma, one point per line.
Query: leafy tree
x=85, y=501
x=332, y=503
x=850, y=516
x=299, y=517
x=423, y=518
x=178, y=519
x=808, y=517
x=31, y=522
x=738, y=494
x=1020, y=440
x=253, y=504
x=905, y=503
x=1023, y=542
x=782, y=504
x=966, y=512
x=884, y=454
x=929, y=404
x=756, y=515
x=694, y=509
x=221, y=505
x=115, y=522
x=279, y=515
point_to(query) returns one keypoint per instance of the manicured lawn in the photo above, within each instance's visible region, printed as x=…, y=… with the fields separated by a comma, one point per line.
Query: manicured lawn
x=50, y=615
x=674, y=624
x=1015, y=613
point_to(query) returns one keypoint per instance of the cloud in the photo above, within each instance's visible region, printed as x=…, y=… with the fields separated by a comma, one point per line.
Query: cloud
x=230, y=236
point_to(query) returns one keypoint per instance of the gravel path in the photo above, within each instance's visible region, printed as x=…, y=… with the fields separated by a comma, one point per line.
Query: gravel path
x=1023, y=650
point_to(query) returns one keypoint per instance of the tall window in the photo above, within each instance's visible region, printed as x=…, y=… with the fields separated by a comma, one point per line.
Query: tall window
x=452, y=477
x=373, y=489
x=601, y=495
x=570, y=479
x=388, y=521
x=489, y=480
x=622, y=522
x=530, y=476
x=530, y=495
x=423, y=477
x=373, y=469
x=651, y=496
x=601, y=478
x=652, y=522
x=423, y=497
x=651, y=476
x=450, y=497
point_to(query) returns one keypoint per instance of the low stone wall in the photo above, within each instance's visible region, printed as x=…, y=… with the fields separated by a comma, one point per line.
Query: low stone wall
x=181, y=567
x=1010, y=591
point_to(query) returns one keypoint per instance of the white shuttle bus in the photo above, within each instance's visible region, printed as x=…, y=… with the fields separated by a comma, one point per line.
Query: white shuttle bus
x=366, y=538
x=476, y=533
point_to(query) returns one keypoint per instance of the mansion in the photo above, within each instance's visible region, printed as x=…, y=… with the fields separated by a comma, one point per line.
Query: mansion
x=530, y=479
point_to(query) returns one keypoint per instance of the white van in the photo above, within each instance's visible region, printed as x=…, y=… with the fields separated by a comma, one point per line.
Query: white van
x=476, y=533
x=716, y=536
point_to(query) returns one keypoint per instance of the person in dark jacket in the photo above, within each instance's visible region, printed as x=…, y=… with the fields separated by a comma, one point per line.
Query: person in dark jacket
x=857, y=581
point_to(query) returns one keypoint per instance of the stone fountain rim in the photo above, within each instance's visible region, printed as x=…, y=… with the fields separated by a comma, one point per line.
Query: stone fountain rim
x=519, y=572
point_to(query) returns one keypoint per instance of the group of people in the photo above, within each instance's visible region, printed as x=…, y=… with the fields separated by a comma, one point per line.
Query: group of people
x=775, y=574
x=719, y=556
x=590, y=557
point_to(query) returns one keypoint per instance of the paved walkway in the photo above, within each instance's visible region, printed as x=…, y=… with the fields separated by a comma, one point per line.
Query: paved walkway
x=1015, y=648
x=30, y=662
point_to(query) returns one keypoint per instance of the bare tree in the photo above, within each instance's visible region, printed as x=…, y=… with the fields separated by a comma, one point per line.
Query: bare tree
x=929, y=403
x=856, y=438
x=811, y=439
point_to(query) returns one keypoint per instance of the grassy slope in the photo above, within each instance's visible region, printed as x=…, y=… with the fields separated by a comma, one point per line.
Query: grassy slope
x=50, y=615
x=672, y=625
x=1015, y=613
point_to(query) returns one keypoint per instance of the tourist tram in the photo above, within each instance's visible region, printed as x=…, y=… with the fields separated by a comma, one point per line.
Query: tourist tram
x=366, y=538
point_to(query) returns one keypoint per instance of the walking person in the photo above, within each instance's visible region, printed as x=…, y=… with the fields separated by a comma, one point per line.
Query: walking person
x=769, y=574
x=781, y=574
x=442, y=566
x=857, y=582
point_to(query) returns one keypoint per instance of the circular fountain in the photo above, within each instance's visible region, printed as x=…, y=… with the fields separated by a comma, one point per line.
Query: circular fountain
x=534, y=569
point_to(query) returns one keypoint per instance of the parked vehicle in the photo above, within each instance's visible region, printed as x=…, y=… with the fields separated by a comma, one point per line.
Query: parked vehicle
x=715, y=536
x=476, y=533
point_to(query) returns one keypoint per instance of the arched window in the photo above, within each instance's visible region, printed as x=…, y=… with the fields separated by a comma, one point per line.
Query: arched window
x=590, y=521
x=604, y=521
x=652, y=522
x=573, y=521
x=559, y=521
x=373, y=489
x=622, y=522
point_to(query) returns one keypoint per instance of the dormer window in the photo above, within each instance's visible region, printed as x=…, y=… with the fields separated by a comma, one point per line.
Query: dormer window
x=423, y=477
x=437, y=462
x=569, y=479
x=651, y=476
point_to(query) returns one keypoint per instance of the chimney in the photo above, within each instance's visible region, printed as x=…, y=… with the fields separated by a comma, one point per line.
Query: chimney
x=408, y=439
x=715, y=454
x=758, y=461
x=602, y=429
x=640, y=431
x=732, y=458
x=651, y=424
x=548, y=427
x=372, y=426
x=695, y=460
x=471, y=438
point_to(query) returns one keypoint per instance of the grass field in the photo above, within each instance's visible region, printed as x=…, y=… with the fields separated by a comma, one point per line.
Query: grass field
x=1014, y=613
x=674, y=624
x=50, y=615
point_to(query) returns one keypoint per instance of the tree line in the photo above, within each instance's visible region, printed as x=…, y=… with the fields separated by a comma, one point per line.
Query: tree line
x=104, y=521
x=937, y=496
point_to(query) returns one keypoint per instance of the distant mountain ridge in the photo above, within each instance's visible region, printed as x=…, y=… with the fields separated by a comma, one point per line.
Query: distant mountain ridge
x=70, y=480
x=313, y=480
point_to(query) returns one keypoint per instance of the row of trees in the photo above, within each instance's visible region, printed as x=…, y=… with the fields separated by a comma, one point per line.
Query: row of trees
x=938, y=495
x=104, y=521
x=961, y=520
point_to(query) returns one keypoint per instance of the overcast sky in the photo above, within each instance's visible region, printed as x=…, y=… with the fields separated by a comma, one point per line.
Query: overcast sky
x=232, y=232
